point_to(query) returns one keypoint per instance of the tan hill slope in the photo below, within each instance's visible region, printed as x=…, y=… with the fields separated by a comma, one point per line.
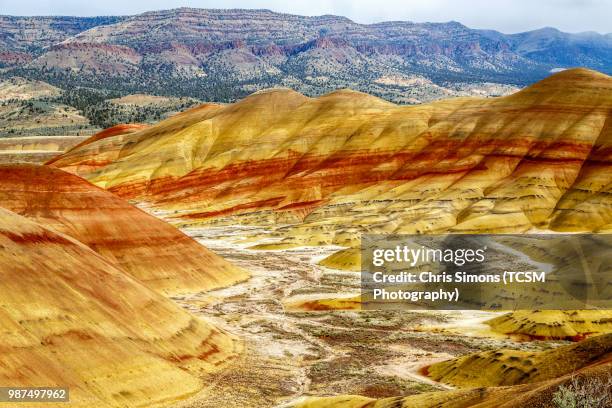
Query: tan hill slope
x=71, y=318
x=347, y=162
x=34, y=125
x=32, y=108
x=50, y=144
x=33, y=117
x=35, y=149
x=154, y=252
x=554, y=324
x=24, y=89
x=511, y=367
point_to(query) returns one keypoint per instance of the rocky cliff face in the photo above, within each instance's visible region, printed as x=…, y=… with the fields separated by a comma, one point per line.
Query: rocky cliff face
x=224, y=54
x=347, y=162
x=32, y=34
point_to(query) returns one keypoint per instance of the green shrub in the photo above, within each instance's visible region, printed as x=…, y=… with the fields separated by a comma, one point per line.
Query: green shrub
x=584, y=393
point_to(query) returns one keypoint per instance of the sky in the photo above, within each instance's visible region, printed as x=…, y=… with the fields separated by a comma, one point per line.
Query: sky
x=507, y=16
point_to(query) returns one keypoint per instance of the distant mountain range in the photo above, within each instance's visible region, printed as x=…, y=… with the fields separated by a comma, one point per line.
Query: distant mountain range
x=226, y=54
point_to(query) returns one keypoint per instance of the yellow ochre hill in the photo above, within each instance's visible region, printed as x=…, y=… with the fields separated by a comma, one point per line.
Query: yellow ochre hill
x=344, y=163
x=511, y=367
x=71, y=318
x=554, y=324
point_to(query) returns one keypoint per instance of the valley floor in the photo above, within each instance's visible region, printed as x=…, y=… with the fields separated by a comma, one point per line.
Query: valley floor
x=293, y=354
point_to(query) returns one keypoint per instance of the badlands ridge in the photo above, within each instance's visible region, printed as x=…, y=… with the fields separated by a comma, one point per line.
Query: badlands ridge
x=345, y=163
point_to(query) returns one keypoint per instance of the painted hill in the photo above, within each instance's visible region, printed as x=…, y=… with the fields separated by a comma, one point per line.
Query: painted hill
x=71, y=318
x=117, y=130
x=511, y=367
x=347, y=162
x=155, y=253
x=554, y=324
x=90, y=156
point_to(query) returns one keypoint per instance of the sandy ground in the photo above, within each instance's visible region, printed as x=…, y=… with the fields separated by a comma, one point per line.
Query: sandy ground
x=290, y=355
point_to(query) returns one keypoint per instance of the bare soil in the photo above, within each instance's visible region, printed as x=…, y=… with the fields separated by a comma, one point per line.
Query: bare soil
x=289, y=355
